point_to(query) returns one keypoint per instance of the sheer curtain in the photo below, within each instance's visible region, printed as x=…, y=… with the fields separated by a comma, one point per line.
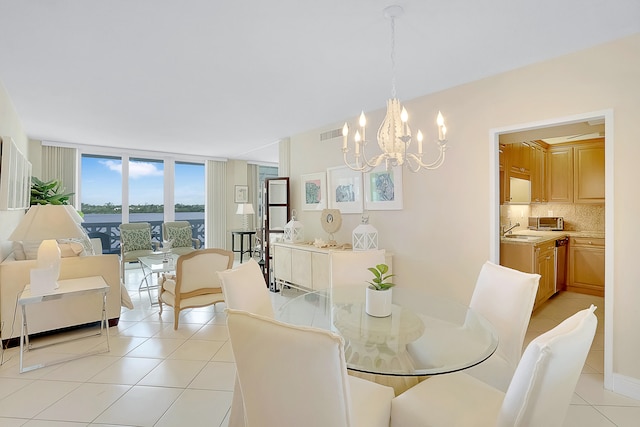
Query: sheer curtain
x=215, y=212
x=61, y=163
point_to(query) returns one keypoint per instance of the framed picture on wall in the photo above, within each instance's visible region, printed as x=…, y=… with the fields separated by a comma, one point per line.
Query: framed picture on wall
x=313, y=188
x=241, y=194
x=383, y=189
x=345, y=189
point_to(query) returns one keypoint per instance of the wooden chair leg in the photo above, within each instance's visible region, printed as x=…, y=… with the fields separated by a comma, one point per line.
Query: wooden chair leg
x=176, y=314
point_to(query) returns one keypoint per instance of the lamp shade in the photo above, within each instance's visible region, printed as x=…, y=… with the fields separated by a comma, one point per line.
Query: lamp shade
x=245, y=209
x=44, y=222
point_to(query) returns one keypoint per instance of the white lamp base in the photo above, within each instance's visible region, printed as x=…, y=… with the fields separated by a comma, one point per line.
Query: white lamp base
x=49, y=259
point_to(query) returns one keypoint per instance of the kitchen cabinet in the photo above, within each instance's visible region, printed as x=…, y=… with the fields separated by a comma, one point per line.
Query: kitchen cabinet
x=525, y=161
x=533, y=258
x=538, y=174
x=586, y=265
x=520, y=160
x=589, y=172
x=576, y=173
x=545, y=267
x=560, y=175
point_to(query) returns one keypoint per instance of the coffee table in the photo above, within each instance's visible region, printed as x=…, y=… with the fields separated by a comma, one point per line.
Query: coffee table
x=156, y=263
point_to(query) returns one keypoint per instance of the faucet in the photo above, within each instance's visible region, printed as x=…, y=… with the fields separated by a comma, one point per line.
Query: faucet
x=508, y=230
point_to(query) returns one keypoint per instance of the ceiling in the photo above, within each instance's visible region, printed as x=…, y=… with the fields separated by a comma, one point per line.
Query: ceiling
x=230, y=79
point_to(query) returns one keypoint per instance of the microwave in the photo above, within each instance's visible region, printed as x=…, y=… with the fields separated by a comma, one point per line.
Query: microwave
x=546, y=223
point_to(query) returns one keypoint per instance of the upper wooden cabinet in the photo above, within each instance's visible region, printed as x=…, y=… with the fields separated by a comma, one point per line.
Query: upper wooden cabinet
x=524, y=160
x=588, y=173
x=560, y=177
x=520, y=160
x=538, y=174
x=576, y=173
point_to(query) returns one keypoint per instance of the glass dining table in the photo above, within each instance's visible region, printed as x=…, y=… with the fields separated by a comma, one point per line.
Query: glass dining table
x=424, y=335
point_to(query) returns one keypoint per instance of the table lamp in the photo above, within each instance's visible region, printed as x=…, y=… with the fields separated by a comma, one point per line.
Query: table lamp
x=46, y=223
x=245, y=209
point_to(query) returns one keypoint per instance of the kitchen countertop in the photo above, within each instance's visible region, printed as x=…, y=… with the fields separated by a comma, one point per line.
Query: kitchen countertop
x=544, y=235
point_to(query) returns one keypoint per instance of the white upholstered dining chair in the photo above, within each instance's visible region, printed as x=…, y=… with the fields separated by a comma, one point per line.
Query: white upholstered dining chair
x=195, y=283
x=505, y=298
x=310, y=389
x=244, y=288
x=350, y=267
x=538, y=396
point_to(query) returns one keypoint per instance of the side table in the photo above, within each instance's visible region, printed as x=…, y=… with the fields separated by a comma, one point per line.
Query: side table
x=242, y=234
x=66, y=288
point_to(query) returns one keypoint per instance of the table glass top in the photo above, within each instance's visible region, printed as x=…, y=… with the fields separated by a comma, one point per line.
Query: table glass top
x=425, y=335
x=159, y=262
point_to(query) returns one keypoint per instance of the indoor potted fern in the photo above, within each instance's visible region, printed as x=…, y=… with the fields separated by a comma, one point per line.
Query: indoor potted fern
x=379, y=295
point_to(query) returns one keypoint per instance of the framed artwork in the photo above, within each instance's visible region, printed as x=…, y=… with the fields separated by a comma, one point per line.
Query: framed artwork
x=345, y=189
x=15, y=177
x=241, y=194
x=313, y=188
x=383, y=189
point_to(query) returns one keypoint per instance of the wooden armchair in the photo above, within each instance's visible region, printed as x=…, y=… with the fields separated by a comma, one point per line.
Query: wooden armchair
x=195, y=283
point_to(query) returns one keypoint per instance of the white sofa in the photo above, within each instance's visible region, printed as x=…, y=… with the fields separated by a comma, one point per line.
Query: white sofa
x=57, y=314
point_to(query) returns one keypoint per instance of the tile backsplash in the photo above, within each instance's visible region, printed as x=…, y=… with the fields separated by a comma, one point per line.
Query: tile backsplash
x=577, y=217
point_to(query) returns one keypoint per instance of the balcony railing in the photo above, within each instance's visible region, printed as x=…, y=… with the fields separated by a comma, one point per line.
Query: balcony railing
x=111, y=231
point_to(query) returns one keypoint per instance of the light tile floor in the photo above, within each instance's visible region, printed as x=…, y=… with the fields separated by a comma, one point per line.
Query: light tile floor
x=155, y=376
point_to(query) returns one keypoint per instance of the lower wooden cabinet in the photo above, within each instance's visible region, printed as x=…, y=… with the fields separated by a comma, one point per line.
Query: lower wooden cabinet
x=533, y=258
x=586, y=265
x=545, y=267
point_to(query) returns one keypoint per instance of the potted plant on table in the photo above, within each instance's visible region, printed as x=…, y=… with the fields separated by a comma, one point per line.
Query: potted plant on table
x=379, y=295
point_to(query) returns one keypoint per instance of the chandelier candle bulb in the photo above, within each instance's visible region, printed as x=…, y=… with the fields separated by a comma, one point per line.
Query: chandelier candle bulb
x=442, y=130
x=420, y=137
x=345, y=134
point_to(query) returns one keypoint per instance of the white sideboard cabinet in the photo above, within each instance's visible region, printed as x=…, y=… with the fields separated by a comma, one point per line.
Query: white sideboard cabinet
x=304, y=266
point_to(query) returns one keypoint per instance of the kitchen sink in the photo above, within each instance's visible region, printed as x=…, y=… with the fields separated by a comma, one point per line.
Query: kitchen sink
x=523, y=237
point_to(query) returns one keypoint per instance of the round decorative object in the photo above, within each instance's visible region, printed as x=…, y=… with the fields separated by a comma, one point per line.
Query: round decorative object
x=331, y=220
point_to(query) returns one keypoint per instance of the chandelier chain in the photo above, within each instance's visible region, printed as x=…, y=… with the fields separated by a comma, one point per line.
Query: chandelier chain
x=393, y=57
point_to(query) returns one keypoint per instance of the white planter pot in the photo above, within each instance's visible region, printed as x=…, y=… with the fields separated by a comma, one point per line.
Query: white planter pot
x=378, y=303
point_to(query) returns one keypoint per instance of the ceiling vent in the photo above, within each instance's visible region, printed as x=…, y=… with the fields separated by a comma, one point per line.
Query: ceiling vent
x=330, y=134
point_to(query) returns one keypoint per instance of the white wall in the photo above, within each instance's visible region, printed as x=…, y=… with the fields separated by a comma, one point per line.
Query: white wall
x=10, y=126
x=442, y=237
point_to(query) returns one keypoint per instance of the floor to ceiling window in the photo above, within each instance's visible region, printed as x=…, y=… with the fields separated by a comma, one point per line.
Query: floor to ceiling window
x=189, y=196
x=155, y=190
x=101, y=197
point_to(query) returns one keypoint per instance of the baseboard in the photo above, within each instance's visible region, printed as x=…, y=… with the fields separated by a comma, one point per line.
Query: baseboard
x=626, y=386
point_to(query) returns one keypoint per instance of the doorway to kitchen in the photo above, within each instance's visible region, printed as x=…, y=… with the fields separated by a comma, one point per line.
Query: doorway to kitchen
x=559, y=127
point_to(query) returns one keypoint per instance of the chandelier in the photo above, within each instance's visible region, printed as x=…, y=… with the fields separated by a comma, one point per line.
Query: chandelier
x=394, y=135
